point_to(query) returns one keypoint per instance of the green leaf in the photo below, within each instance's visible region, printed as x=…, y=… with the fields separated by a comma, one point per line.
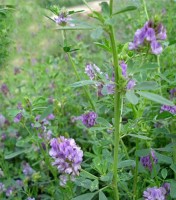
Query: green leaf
x=163, y=158
x=164, y=173
x=128, y=8
x=87, y=196
x=142, y=152
x=172, y=42
x=67, y=49
x=173, y=189
x=103, y=46
x=17, y=153
x=105, y=8
x=126, y=163
x=46, y=112
x=75, y=28
x=83, y=83
x=73, y=12
x=156, y=98
x=173, y=167
x=131, y=97
x=147, y=85
x=140, y=136
x=102, y=196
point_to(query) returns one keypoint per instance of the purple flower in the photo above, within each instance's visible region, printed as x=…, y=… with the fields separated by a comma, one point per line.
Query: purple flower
x=172, y=93
x=50, y=117
x=63, y=180
x=2, y=187
x=161, y=32
x=2, y=120
x=27, y=170
x=89, y=119
x=67, y=155
x=4, y=89
x=147, y=162
x=166, y=186
x=30, y=198
x=154, y=193
x=150, y=34
x=92, y=70
x=9, y=191
x=18, y=117
x=124, y=68
x=62, y=19
x=130, y=85
x=171, y=109
x=156, y=47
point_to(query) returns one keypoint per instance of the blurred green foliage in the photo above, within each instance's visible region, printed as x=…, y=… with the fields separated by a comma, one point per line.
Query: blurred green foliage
x=5, y=30
x=68, y=3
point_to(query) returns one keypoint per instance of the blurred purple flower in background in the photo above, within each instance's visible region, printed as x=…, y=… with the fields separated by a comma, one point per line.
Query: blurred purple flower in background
x=2, y=187
x=2, y=120
x=30, y=198
x=155, y=193
x=67, y=155
x=9, y=191
x=89, y=119
x=18, y=117
x=27, y=170
x=147, y=162
x=4, y=89
x=172, y=93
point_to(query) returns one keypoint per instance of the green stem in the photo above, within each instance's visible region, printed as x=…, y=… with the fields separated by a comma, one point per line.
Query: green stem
x=135, y=192
x=159, y=72
x=111, y=7
x=117, y=107
x=145, y=9
x=84, y=88
x=173, y=128
x=75, y=71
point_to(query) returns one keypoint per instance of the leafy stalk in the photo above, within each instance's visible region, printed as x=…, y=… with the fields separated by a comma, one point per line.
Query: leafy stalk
x=76, y=73
x=117, y=107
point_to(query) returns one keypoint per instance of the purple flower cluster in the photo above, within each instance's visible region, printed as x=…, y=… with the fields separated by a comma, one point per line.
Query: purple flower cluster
x=89, y=119
x=68, y=157
x=171, y=109
x=155, y=193
x=149, y=160
x=92, y=70
x=62, y=19
x=150, y=33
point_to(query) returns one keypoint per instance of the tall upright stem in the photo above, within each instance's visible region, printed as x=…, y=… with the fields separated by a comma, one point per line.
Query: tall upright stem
x=117, y=107
x=76, y=72
x=145, y=9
